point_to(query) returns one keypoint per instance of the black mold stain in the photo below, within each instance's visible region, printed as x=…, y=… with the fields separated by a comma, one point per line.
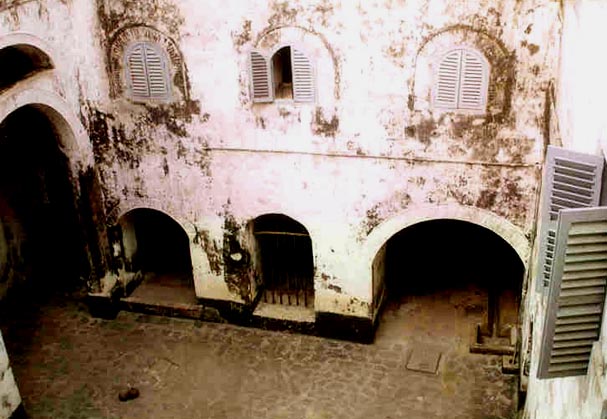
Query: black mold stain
x=320, y=126
x=283, y=14
x=381, y=211
x=242, y=37
x=335, y=288
x=211, y=249
x=236, y=260
x=91, y=213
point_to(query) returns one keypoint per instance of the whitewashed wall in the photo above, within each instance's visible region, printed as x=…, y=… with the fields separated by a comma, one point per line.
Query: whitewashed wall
x=582, y=122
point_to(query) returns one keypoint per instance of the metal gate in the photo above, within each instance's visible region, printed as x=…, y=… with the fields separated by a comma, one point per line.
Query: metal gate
x=287, y=268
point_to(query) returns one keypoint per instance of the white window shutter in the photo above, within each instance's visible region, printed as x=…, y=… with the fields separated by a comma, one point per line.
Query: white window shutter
x=261, y=85
x=577, y=292
x=136, y=72
x=571, y=180
x=303, y=77
x=447, y=80
x=157, y=73
x=147, y=72
x=473, y=82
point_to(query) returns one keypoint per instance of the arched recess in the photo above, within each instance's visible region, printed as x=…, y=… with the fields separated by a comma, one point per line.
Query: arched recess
x=26, y=53
x=463, y=263
x=154, y=251
x=318, y=50
x=512, y=234
x=46, y=236
x=501, y=63
x=284, y=260
x=126, y=38
x=72, y=137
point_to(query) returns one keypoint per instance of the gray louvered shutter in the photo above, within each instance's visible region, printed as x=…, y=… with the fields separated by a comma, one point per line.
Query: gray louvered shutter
x=157, y=73
x=447, y=80
x=571, y=180
x=261, y=82
x=303, y=77
x=473, y=82
x=137, y=76
x=147, y=72
x=577, y=292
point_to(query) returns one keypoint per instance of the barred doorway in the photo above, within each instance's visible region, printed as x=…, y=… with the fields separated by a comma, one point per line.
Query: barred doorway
x=287, y=264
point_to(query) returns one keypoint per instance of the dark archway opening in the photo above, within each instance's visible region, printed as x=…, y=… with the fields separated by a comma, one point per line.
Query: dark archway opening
x=156, y=247
x=441, y=278
x=282, y=74
x=42, y=247
x=21, y=61
x=285, y=255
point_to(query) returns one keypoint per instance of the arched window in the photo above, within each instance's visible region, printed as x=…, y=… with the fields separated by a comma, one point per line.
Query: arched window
x=461, y=81
x=287, y=75
x=147, y=71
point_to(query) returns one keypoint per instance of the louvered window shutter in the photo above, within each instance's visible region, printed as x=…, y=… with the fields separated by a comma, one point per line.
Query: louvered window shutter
x=577, y=292
x=147, y=72
x=137, y=76
x=157, y=73
x=571, y=180
x=473, y=84
x=462, y=81
x=447, y=82
x=261, y=85
x=303, y=77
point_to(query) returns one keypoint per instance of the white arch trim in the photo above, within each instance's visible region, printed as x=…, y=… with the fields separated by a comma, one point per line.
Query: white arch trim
x=73, y=138
x=512, y=234
x=124, y=211
x=24, y=38
x=205, y=280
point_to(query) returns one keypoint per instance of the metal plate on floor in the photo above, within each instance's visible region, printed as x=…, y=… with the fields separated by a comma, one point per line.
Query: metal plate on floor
x=424, y=359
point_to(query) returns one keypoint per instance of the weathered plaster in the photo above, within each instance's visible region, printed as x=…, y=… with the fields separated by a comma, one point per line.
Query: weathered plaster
x=354, y=160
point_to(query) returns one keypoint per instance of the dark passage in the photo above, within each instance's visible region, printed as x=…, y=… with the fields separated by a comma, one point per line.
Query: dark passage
x=42, y=242
x=158, y=247
x=449, y=254
x=282, y=74
x=162, y=245
x=21, y=61
x=452, y=271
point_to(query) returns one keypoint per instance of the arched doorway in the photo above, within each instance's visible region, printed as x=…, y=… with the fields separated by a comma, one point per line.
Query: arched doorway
x=284, y=252
x=43, y=243
x=156, y=249
x=438, y=279
x=23, y=60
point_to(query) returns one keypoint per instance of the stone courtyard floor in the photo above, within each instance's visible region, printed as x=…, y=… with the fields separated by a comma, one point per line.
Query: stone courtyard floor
x=70, y=365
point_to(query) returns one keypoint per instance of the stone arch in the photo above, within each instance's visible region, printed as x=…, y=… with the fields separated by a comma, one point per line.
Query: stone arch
x=501, y=62
x=315, y=44
x=73, y=138
x=153, y=244
x=202, y=271
x=26, y=54
x=24, y=38
x=125, y=37
x=46, y=197
x=510, y=233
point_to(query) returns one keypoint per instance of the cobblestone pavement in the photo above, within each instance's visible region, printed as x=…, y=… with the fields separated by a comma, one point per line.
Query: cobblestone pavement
x=69, y=365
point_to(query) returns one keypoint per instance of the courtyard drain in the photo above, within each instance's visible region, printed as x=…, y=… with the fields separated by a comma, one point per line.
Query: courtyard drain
x=424, y=359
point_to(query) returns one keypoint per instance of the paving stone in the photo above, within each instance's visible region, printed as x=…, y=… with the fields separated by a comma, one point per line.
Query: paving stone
x=70, y=365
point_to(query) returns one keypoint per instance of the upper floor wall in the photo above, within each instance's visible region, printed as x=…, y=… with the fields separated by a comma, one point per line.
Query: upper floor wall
x=372, y=69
